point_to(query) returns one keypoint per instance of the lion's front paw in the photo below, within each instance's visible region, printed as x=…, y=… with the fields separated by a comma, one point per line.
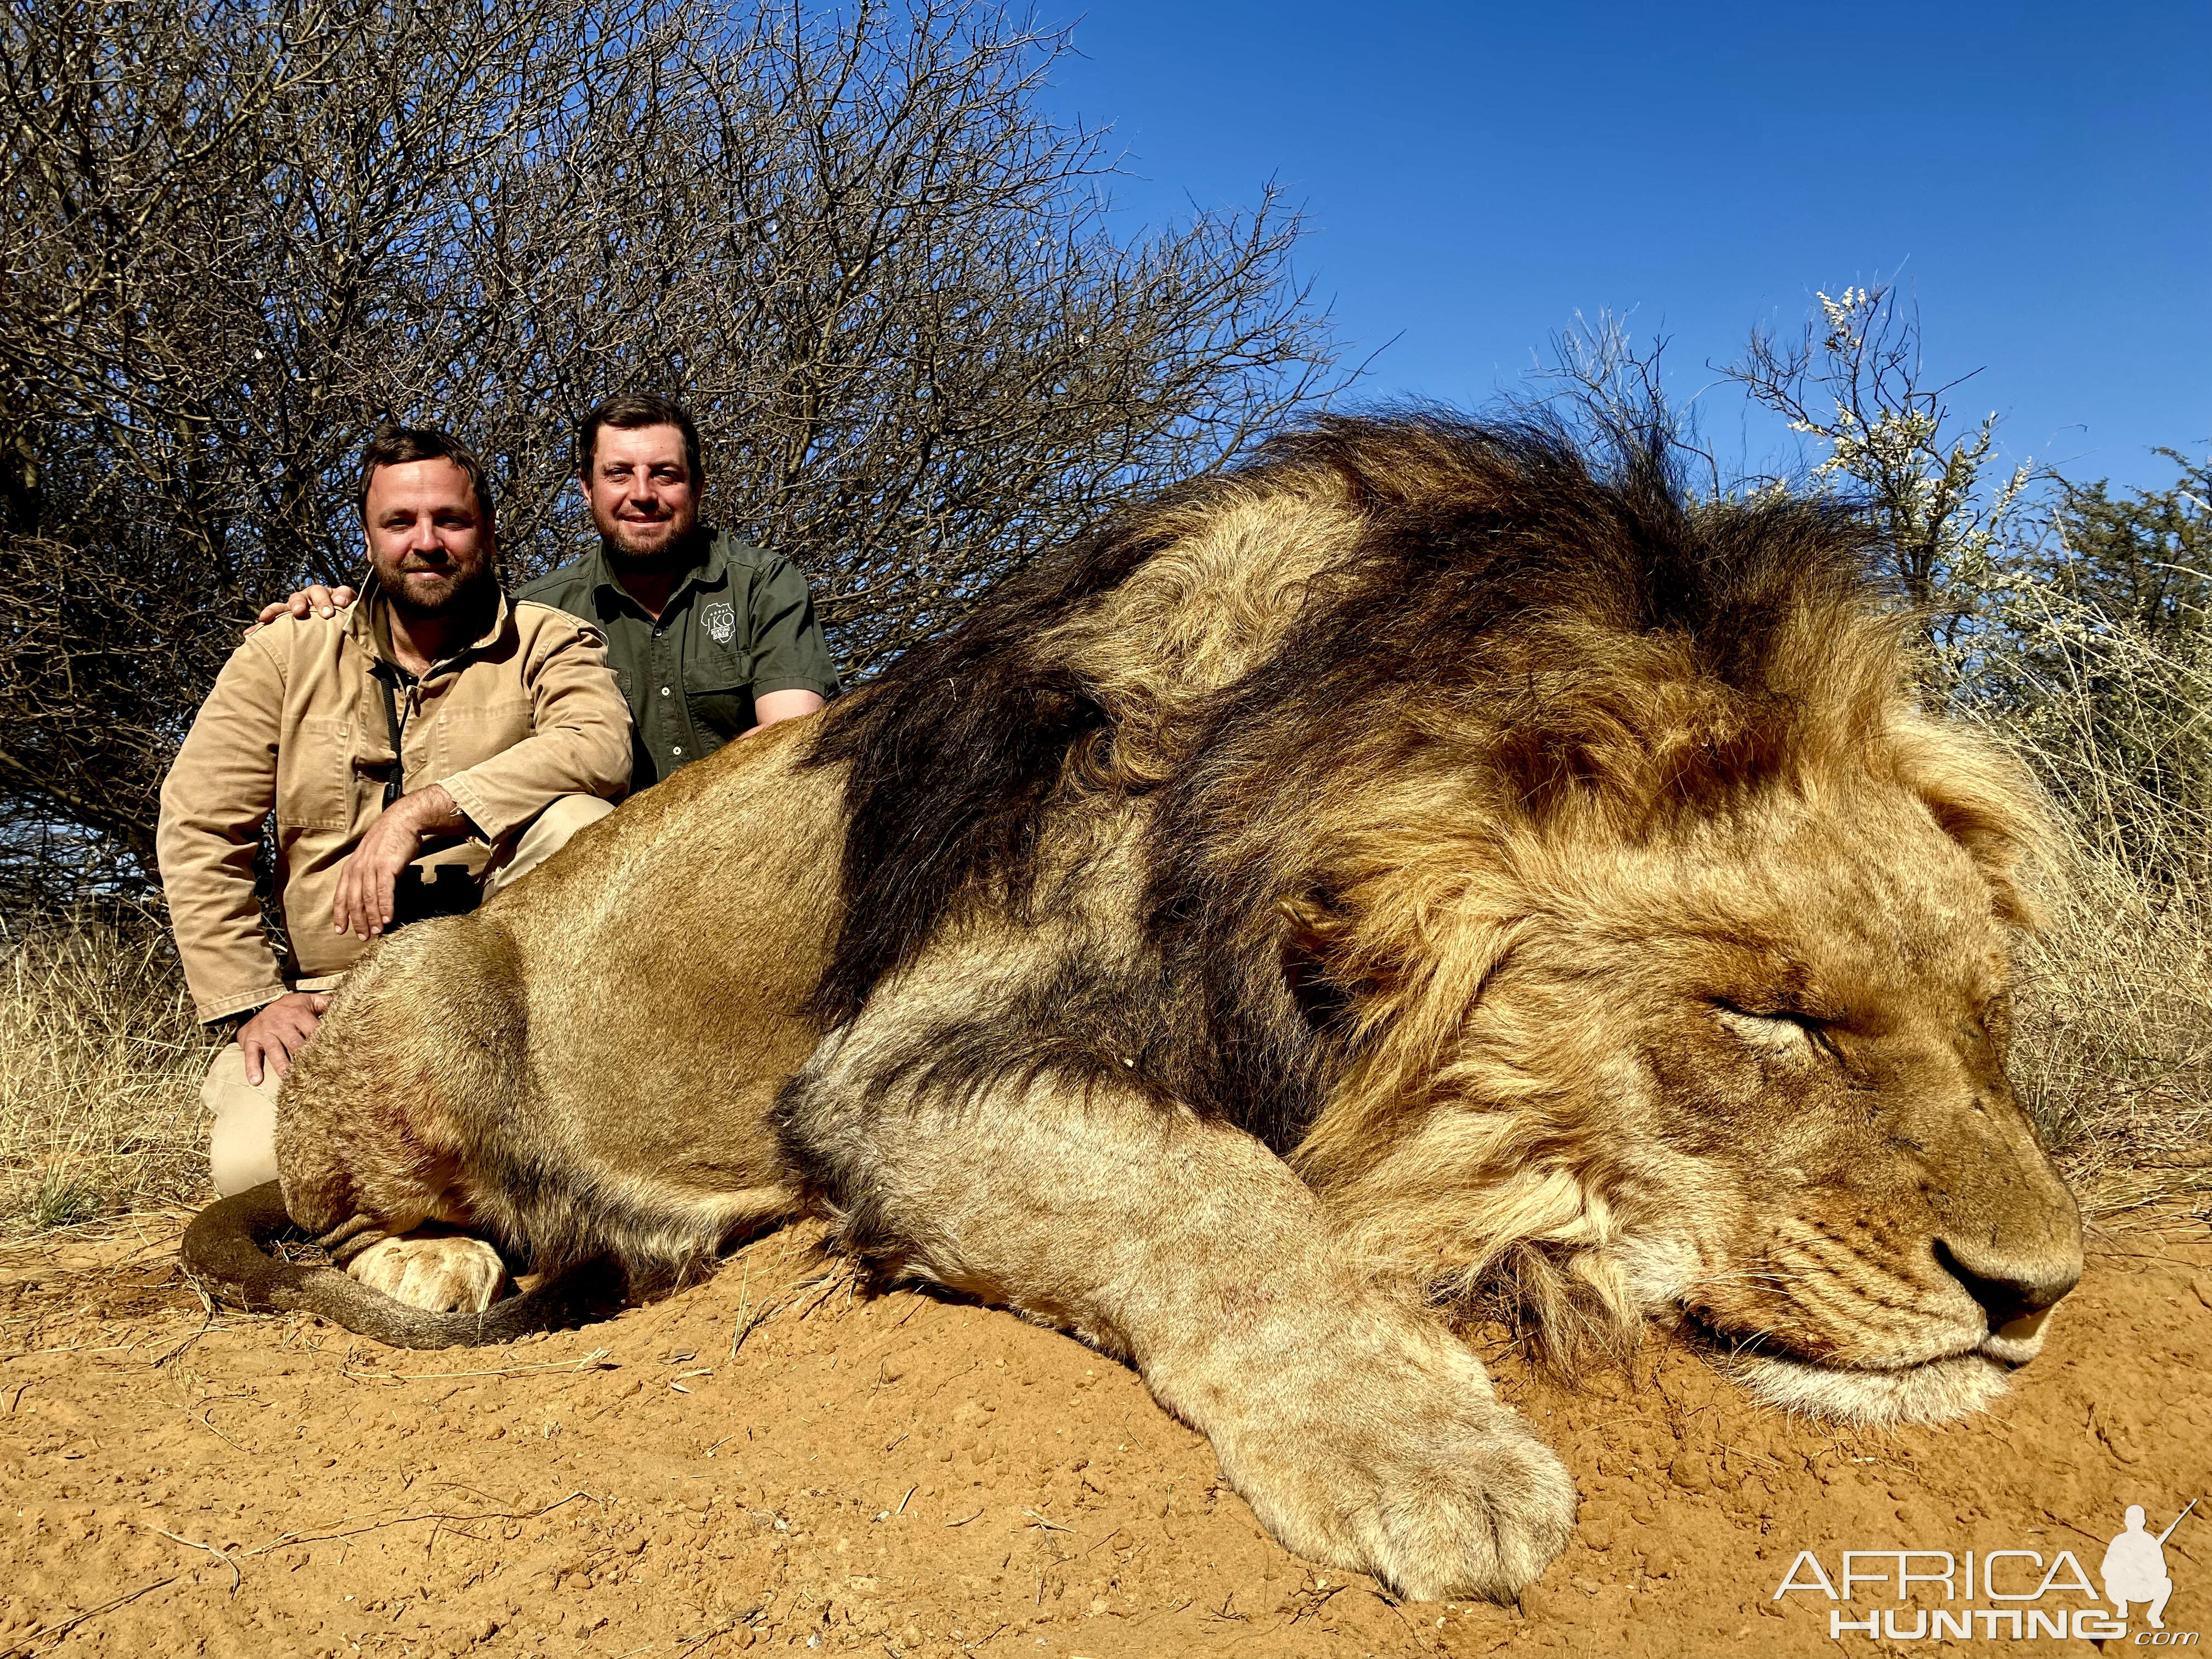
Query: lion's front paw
x=441, y=1275
x=1402, y=1464
x=1479, y=1508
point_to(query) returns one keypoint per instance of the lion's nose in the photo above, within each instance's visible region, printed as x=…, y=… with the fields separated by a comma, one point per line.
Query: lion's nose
x=2012, y=1286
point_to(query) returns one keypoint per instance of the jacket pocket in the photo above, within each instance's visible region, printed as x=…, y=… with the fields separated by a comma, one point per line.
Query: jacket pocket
x=467, y=736
x=314, y=777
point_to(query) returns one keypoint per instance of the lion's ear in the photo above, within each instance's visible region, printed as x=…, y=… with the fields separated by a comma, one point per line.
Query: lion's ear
x=1422, y=968
x=1397, y=962
x=1987, y=803
x=1313, y=922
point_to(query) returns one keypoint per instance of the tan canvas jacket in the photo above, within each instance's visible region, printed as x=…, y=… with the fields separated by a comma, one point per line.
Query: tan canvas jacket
x=298, y=722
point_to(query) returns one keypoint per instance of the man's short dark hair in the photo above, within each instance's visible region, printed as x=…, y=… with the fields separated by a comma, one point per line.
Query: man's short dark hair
x=396, y=445
x=630, y=412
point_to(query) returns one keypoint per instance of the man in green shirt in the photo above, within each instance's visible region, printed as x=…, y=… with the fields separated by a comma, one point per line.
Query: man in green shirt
x=710, y=638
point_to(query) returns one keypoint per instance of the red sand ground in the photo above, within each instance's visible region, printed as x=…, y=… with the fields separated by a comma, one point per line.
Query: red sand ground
x=772, y=1459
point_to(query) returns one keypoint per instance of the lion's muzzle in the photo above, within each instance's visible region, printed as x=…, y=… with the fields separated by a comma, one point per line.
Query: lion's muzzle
x=2016, y=1288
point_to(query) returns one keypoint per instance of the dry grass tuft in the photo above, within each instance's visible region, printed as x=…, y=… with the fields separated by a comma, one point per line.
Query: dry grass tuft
x=2114, y=1056
x=2113, y=1051
x=100, y=1062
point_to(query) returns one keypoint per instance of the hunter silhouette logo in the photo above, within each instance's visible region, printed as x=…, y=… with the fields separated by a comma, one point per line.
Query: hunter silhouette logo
x=2134, y=1566
x=1996, y=1594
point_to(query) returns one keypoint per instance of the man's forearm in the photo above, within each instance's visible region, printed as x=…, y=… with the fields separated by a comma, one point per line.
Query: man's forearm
x=368, y=879
x=771, y=706
x=432, y=812
x=579, y=746
x=223, y=995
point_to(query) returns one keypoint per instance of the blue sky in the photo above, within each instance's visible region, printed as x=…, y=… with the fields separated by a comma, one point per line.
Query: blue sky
x=2038, y=176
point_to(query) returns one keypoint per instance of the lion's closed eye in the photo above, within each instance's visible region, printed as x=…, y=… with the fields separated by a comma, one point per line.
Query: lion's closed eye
x=1776, y=1037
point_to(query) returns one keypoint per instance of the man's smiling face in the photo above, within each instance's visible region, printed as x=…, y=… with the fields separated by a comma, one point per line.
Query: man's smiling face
x=643, y=496
x=429, y=543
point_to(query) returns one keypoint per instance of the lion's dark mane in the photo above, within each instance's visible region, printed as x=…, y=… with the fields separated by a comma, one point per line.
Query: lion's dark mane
x=1475, y=538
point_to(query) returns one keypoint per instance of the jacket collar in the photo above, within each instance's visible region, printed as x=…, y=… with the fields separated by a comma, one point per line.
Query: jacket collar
x=368, y=624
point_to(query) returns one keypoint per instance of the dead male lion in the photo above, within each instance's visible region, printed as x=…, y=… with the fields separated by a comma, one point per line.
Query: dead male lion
x=1411, y=870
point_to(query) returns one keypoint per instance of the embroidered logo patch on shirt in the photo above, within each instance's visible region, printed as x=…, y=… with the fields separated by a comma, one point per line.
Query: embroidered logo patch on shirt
x=720, y=620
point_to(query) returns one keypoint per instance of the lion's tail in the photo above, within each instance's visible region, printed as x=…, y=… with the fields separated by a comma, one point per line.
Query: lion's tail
x=226, y=1251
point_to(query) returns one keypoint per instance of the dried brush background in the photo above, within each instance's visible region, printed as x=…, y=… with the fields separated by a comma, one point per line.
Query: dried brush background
x=2110, y=707
x=100, y=1061
x=236, y=237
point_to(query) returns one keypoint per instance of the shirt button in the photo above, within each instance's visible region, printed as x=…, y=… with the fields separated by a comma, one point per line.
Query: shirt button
x=663, y=690
x=677, y=750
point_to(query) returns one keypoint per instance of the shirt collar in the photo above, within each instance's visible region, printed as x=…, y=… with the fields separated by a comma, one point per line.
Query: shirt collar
x=707, y=569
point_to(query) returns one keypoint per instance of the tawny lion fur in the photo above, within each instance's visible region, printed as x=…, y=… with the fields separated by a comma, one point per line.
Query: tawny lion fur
x=1561, y=879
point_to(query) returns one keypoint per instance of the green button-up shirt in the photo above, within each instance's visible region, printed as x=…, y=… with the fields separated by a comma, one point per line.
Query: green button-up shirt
x=738, y=625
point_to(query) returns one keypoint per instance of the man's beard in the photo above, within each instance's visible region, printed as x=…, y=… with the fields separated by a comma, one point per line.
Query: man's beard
x=459, y=593
x=678, y=550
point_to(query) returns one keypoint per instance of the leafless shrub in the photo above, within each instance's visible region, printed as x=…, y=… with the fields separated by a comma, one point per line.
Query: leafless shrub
x=236, y=236
x=1855, y=381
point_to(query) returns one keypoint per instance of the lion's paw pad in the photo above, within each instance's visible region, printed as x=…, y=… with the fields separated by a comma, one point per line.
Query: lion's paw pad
x=440, y=1275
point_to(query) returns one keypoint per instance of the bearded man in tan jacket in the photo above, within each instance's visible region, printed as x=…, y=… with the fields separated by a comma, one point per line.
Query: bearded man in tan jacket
x=421, y=748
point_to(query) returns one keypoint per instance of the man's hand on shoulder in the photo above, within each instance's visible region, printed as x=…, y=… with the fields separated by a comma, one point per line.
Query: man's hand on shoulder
x=273, y=1038
x=370, y=875
x=314, y=598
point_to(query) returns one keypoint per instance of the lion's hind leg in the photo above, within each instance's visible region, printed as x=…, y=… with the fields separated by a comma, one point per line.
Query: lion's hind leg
x=415, y=1079
x=439, y=1271
x=234, y=1250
